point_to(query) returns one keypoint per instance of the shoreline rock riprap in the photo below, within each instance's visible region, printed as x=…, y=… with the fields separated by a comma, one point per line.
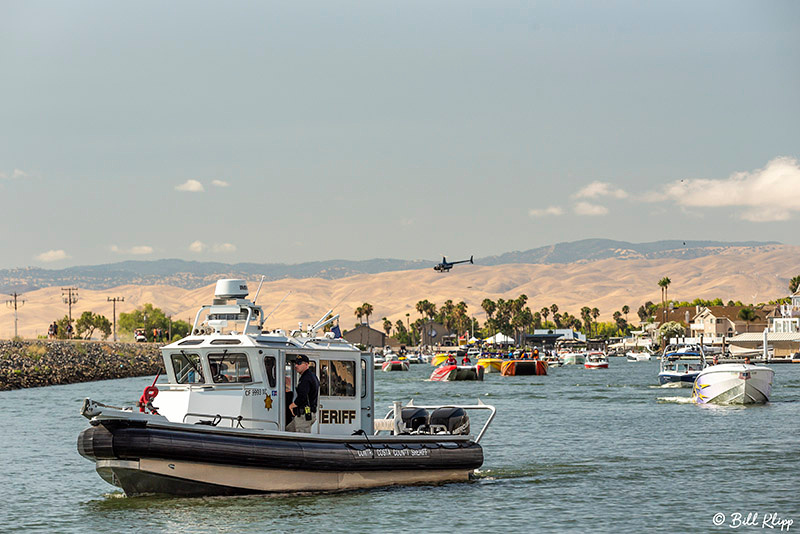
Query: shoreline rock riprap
x=28, y=364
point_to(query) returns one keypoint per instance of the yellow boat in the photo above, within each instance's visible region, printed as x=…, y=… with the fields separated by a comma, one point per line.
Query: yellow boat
x=490, y=365
x=439, y=359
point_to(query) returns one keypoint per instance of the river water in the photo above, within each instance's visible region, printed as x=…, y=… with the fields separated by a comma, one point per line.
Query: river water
x=575, y=451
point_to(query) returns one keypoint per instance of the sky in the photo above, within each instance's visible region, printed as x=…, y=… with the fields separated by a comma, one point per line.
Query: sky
x=285, y=132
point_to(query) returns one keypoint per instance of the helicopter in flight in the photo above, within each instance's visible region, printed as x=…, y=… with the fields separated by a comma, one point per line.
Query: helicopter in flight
x=445, y=266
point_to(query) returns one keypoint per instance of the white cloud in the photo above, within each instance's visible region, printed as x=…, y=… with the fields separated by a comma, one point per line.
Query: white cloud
x=16, y=174
x=763, y=195
x=52, y=255
x=600, y=189
x=192, y=186
x=584, y=208
x=224, y=247
x=138, y=250
x=220, y=183
x=551, y=210
x=198, y=246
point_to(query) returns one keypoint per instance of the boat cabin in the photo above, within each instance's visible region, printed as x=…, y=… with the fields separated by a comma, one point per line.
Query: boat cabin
x=231, y=373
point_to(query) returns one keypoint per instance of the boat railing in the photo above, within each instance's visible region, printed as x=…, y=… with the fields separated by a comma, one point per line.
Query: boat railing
x=235, y=422
x=395, y=414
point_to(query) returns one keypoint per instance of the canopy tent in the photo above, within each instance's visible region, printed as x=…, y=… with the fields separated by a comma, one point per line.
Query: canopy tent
x=500, y=339
x=474, y=339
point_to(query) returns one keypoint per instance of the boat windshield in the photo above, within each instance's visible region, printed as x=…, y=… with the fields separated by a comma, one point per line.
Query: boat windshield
x=229, y=368
x=187, y=368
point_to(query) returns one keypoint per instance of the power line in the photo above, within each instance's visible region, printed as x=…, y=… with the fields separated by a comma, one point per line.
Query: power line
x=15, y=304
x=70, y=298
x=114, y=306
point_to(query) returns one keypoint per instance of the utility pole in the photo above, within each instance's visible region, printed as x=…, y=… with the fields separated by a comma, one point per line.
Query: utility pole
x=70, y=298
x=114, y=308
x=15, y=304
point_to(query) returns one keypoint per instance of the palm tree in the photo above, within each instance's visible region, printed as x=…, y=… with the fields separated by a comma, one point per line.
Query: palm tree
x=595, y=314
x=748, y=315
x=387, y=326
x=489, y=307
x=367, y=309
x=664, y=284
x=553, y=308
x=586, y=315
x=545, y=312
x=794, y=283
x=359, y=312
x=625, y=310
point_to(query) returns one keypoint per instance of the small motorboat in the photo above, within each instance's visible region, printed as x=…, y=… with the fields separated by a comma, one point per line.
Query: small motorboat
x=596, y=360
x=491, y=365
x=573, y=358
x=523, y=367
x=638, y=356
x=733, y=383
x=680, y=365
x=220, y=424
x=413, y=358
x=448, y=373
x=395, y=365
x=553, y=360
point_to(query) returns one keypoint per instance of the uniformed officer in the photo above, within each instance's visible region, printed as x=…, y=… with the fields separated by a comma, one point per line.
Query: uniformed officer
x=306, y=395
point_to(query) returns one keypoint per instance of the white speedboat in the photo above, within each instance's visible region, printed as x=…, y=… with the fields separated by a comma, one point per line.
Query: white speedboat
x=733, y=383
x=219, y=424
x=596, y=360
x=638, y=356
x=573, y=358
x=413, y=358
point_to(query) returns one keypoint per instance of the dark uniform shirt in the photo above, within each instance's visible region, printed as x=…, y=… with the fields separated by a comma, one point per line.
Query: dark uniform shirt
x=306, y=392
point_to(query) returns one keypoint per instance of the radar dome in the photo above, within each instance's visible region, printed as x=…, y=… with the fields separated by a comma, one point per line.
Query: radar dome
x=231, y=289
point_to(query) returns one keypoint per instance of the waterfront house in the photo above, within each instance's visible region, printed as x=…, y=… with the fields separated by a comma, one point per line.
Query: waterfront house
x=785, y=318
x=724, y=321
x=434, y=333
x=365, y=335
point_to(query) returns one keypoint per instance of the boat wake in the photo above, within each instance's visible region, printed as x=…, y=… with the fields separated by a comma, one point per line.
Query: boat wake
x=675, y=400
x=669, y=385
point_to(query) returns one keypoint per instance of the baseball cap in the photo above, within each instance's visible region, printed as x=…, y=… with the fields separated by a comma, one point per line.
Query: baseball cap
x=301, y=358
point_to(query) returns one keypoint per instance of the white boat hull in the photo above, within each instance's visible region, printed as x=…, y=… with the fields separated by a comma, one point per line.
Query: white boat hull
x=149, y=475
x=574, y=359
x=733, y=383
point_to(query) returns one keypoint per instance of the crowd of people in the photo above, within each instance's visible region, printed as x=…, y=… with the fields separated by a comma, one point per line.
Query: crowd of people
x=52, y=331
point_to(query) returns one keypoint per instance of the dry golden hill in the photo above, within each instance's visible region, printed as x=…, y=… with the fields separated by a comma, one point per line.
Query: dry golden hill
x=606, y=285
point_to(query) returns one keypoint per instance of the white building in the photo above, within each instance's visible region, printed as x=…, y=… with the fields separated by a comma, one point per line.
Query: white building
x=786, y=318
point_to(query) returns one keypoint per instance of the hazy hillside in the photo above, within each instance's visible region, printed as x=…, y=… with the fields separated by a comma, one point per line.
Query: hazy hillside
x=738, y=273
x=194, y=274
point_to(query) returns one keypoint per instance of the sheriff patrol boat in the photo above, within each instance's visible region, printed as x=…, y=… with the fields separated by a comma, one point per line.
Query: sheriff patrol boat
x=218, y=425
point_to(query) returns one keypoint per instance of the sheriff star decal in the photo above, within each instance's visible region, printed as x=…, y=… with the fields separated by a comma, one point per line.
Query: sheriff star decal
x=268, y=402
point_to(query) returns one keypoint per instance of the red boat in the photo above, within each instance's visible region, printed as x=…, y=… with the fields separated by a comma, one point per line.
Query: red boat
x=395, y=365
x=596, y=360
x=446, y=373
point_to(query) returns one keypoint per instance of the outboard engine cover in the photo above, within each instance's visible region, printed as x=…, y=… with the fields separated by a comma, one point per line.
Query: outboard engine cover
x=414, y=418
x=450, y=420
